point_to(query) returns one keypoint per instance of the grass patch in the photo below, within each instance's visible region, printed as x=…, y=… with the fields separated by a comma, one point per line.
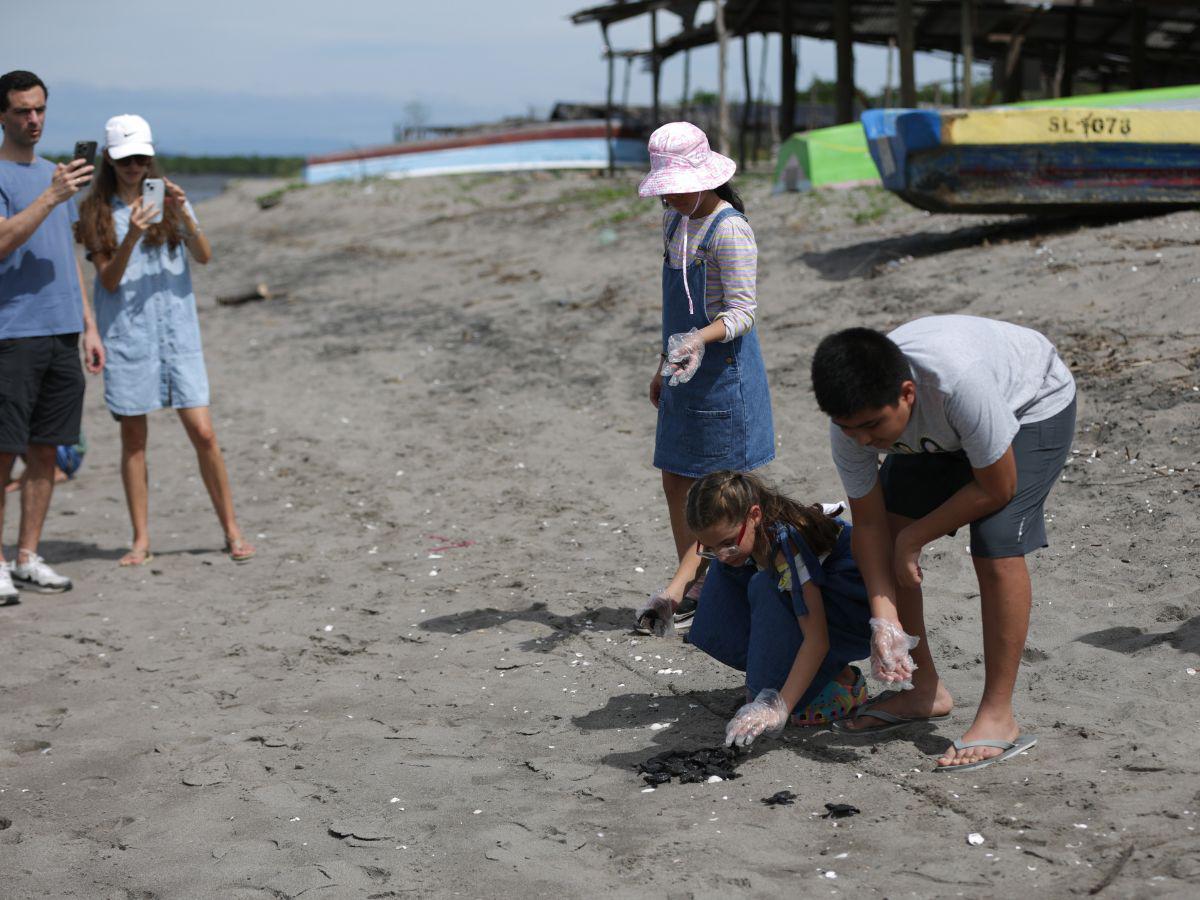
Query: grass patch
x=879, y=203
x=275, y=197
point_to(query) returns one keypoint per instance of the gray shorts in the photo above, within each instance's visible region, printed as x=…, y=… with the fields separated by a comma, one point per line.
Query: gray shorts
x=916, y=484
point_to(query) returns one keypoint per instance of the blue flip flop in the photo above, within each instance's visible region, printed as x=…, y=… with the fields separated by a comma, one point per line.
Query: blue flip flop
x=1010, y=748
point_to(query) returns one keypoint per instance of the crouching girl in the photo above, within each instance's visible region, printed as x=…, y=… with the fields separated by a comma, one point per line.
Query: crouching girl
x=783, y=602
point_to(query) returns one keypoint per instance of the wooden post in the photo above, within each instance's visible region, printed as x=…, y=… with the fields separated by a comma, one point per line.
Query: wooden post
x=655, y=67
x=844, y=35
x=747, y=101
x=968, y=51
x=887, y=80
x=722, y=99
x=787, y=68
x=687, y=83
x=608, y=103
x=1137, y=47
x=760, y=103
x=1066, y=80
x=908, y=79
x=1013, y=71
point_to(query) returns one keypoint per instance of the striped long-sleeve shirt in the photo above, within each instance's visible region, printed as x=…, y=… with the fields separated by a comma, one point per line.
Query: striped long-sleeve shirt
x=732, y=268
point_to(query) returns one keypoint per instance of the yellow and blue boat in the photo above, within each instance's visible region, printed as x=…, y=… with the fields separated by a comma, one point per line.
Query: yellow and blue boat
x=1038, y=160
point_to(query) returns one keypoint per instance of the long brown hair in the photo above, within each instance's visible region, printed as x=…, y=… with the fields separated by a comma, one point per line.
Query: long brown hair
x=95, y=229
x=728, y=496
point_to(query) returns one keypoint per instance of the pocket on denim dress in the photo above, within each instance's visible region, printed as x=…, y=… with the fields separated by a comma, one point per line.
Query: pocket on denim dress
x=710, y=432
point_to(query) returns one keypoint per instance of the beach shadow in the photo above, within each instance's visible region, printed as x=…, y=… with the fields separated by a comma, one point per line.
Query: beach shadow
x=1128, y=639
x=695, y=720
x=865, y=259
x=600, y=620
x=56, y=552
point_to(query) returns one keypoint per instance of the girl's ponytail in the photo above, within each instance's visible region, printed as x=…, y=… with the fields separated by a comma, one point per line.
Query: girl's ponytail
x=729, y=194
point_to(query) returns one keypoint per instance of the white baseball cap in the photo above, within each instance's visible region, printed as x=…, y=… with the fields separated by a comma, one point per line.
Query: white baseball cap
x=128, y=135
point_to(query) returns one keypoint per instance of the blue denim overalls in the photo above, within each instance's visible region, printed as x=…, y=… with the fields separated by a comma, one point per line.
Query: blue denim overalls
x=746, y=622
x=721, y=419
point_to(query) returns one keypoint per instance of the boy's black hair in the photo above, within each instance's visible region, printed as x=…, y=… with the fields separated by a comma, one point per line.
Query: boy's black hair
x=18, y=80
x=857, y=369
x=729, y=194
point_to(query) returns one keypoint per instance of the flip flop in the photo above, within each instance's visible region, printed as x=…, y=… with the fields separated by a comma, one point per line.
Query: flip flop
x=240, y=550
x=145, y=557
x=1010, y=748
x=890, y=720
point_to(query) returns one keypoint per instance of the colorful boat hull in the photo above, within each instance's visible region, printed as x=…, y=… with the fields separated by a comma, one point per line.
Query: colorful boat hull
x=562, y=145
x=1046, y=160
x=839, y=156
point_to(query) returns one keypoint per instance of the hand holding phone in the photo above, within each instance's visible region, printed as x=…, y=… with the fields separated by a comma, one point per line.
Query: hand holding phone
x=153, y=192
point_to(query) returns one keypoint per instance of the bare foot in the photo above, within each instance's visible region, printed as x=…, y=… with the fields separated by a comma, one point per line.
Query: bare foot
x=138, y=556
x=914, y=704
x=999, y=728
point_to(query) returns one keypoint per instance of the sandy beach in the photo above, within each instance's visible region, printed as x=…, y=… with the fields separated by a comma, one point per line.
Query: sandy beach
x=426, y=684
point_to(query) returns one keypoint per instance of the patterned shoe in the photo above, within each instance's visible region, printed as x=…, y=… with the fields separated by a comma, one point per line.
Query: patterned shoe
x=837, y=701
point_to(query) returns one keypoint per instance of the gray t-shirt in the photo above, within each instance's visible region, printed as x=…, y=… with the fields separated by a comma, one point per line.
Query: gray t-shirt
x=978, y=381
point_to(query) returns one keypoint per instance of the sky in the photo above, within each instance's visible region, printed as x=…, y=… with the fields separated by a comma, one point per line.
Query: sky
x=312, y=76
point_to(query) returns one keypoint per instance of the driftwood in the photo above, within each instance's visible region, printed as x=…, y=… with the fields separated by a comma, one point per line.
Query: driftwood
x=260, y=291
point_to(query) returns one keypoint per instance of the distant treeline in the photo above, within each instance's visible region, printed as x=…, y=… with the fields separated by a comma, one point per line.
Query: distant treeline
x=273, y=166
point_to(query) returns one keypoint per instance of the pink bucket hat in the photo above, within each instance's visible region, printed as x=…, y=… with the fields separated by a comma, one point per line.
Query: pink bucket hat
x=681, y=162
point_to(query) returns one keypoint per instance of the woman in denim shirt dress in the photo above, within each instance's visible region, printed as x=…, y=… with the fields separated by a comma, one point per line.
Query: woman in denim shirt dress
x=146, y=312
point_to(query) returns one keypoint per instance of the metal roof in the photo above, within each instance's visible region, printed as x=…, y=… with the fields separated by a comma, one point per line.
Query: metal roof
x=1104, y=30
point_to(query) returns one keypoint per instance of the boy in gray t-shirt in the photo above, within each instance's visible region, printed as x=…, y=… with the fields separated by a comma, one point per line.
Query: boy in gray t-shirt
x=976, y=417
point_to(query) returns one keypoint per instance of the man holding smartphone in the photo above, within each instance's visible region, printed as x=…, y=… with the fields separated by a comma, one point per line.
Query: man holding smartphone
x=43, y=311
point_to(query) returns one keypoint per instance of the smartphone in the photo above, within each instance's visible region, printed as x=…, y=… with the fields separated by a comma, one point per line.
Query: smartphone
x=85, y=150
x=153, y=193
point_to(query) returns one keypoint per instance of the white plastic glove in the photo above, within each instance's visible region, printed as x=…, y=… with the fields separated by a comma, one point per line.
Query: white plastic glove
x=768, y=713
x=685, y=350
x=660, y=611
x=890, y=659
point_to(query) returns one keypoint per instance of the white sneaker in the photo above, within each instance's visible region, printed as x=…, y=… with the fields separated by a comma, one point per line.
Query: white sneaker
x=37, y=576
x=8, y=593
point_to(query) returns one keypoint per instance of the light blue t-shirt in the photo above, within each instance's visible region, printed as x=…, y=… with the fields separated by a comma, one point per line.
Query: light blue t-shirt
x=39, y=284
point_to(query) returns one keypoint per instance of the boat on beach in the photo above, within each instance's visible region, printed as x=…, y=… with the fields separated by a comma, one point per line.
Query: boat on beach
x=1040, y=159
x=839, y=157
x=548, y=145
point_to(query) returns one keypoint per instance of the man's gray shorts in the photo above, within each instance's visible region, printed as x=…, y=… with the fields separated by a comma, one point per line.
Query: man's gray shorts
x=916, y=484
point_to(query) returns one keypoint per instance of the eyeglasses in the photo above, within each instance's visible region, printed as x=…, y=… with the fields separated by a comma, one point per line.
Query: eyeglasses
x=133, y=160
x=726, y=552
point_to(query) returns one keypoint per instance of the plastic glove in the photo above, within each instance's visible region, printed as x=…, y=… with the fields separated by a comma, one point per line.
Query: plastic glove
x=890, y=659
x=685, y=350
x=659, y=611
x=768, y=713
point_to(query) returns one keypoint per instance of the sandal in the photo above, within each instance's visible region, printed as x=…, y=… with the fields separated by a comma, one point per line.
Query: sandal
x=240, y=550
x=836, y=701
x=136, y=557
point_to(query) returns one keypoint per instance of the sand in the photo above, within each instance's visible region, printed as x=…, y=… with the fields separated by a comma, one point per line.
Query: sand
x=426, y=684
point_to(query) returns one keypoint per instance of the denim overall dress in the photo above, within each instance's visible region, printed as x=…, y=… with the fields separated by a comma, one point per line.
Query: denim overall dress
x=744, y=621
x=721, y=419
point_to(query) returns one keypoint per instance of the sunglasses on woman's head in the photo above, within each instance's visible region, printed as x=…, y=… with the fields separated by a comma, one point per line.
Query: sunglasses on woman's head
x=725, y=551
x=132, y=160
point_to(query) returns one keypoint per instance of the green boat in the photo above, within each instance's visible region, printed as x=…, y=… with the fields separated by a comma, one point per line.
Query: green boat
x=838, y=157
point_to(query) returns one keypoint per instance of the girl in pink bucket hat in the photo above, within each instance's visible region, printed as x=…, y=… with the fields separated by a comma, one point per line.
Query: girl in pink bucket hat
x=710, y=385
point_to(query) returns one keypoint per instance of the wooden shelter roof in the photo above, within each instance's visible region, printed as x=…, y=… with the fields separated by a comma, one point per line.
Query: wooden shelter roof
x=1105, y=30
